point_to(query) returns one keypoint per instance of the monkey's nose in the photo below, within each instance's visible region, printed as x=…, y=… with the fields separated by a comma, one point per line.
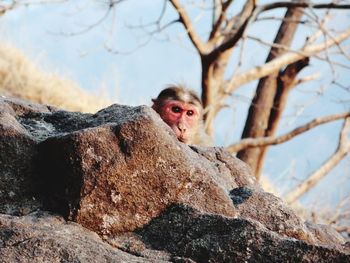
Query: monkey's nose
x=182, y=128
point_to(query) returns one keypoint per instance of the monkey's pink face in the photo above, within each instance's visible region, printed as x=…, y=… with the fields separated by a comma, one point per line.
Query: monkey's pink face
x=181, y=117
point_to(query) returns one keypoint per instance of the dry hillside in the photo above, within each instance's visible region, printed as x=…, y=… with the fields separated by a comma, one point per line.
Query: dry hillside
x=22, y=78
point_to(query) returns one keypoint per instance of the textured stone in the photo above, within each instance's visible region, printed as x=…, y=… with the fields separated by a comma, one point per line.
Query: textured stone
x=42, y=237
x=122, y=174
x=117, y=176
x=186, y=232
x=17, y=152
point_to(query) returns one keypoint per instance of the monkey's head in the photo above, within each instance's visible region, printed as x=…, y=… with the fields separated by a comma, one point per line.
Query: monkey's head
x=181, y=109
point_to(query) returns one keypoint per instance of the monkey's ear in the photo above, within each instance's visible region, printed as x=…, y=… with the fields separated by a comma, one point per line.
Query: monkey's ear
x=155, y=105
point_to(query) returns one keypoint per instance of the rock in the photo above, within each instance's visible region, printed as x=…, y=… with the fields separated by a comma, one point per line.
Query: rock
x=325, y=234
x=42, y=237
x=272, y=212
x=186, y=232
x=225, y=163
x=117, y=176
x=122, y=174
x=17, y=152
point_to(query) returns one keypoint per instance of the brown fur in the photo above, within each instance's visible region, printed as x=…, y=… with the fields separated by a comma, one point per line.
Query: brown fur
x=182, y=94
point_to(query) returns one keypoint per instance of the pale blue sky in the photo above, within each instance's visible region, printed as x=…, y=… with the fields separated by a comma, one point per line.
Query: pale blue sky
x=137, y=77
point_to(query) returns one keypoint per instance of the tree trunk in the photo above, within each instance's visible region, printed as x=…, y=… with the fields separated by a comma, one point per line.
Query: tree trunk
x=285, y=82
x=257, y=123
x=213, y=70
x=209, y=89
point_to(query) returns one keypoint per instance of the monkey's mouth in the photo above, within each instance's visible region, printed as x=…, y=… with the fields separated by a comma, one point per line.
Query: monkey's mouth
x=182, y=139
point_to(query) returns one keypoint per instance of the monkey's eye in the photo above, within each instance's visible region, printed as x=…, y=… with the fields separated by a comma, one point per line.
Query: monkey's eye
x=190, y=113
x=176, y=109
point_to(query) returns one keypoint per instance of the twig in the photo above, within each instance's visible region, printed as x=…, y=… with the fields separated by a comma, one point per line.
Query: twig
x=272, y=140
x=281, y=61
x=186, y=21
x=330, y=5
x=342, y=150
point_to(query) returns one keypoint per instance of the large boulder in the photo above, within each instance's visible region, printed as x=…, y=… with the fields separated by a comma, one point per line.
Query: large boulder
x=17, y=153
x=122, y=174
x=42, y=237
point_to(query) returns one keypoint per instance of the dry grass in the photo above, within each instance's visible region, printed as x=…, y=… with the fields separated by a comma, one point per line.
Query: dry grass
x=21, y=78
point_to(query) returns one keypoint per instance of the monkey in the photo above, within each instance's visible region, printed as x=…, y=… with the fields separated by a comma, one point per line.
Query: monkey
x=182, y=110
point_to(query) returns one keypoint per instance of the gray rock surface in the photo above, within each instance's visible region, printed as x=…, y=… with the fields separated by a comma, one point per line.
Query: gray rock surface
x=123, y=189
x=43, y=237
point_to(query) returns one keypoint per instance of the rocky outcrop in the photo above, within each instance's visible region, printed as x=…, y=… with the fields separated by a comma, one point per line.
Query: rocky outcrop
x=41, y=237
x=118, y=184
x=119, y=174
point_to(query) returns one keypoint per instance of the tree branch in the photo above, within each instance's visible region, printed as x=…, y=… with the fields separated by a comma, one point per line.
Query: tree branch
x=271, y=140
x=330, y=5
x=339, y=212
x=221, y=18
x=235, y=28
x=281, y=61
x=342, y=150
x=5, y=8
x=341, y=229
x=286, y=80
x=186, y=21
x=308, y=78
x=216, y=11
